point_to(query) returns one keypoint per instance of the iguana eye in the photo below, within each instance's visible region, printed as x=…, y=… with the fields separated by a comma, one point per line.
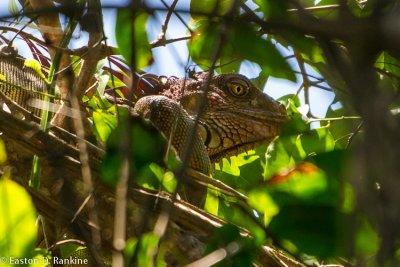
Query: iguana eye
x=238, y=89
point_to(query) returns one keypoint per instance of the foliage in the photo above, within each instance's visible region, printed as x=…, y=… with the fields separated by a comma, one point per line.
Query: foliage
x=301, y=194
x=18, y=229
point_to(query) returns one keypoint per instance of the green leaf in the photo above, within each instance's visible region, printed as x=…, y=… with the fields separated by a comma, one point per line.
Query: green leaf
x=229, y=236
x=312, y=229
x=148, y=246
x=104, y=122
x=279, y=157
x=367, y=240
x=391, y=66
x=155, y=177
x=241, y=171
x=3, y=154
x=125, y=43
x=295, y=124
x=33, y=64
x=204, y=42
x=102, y=83
x=76, y=62
x=388, y=63
x=3, y=78
x=41, y=258
x=309, y=200
x=251, y=46
x=204, y=7
x=18, y=224
x=304, y=184
x=272, y=8
x=115, y=82
x=70, y=248
x=242, y=43
x=12, y=7
x=341, y=129
x=316, y=141
x=148, y=147
x=264, y=203
x=212, y=202
x=260, y=80
x=130, y=247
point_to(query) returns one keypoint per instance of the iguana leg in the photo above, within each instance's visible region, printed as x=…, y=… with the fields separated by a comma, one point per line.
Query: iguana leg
x=176, y=125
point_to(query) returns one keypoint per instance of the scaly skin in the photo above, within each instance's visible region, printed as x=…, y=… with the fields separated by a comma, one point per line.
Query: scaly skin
x=234, y=120
x=237, y=115
x=19, y=83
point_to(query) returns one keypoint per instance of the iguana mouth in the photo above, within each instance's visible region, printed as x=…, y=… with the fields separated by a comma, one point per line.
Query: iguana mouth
x=236, y=149
x=258, y=116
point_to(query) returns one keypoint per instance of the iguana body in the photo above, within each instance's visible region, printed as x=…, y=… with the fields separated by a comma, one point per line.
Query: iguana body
x=237, y=115
x=18, y=82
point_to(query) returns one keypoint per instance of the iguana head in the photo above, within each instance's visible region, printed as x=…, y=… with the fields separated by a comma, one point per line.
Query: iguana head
x=237, y=116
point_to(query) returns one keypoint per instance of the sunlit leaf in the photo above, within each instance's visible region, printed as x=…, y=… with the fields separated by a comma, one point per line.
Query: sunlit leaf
x=205, y=7
x=304, y=187
x=104, y=121
x=272, y=8
x=125, y=42
x=367, y=239
x=40, y=257
x=251, y=46
x=3, y=153
x=12, y=7
x=341, y=130
x=147, y=249
x=263, y=202
x=242, y=42
x=35, y=66
x=316, y=141
x=241, y=171
x=17, y=226
x=212, y=203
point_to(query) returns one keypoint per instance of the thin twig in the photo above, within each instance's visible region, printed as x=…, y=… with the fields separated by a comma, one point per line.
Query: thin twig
x=178, y=16
x=306, y=82
x=353, y=134
x=334, y=119
x=119, y=235
x=163, y=42
x=323, y=7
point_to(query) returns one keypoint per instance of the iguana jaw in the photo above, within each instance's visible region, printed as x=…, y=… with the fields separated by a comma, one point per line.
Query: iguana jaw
x=237, y=149
x=230, y=132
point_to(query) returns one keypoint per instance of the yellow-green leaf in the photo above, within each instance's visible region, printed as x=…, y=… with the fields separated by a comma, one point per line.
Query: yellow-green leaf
x=17, y=224
x=3, y=78
x=34, y=65
x=3, y=154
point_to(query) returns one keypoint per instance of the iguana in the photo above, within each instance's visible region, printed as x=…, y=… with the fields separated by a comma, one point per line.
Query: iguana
x=237, y=115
